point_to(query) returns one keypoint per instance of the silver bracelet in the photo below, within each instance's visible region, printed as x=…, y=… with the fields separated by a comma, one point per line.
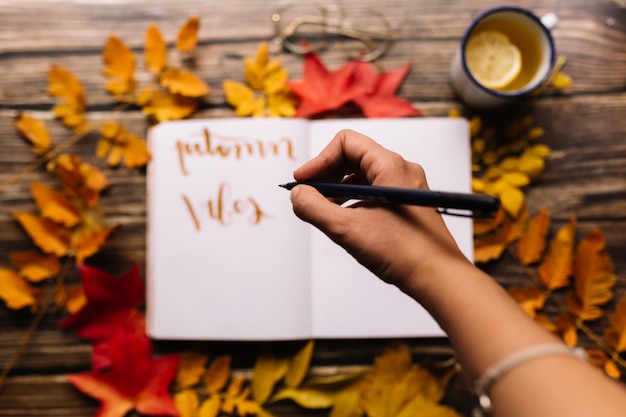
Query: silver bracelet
x=494, y=372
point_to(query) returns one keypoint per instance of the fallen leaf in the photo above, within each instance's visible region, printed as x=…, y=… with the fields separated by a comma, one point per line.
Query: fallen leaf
x=512, y=199
x=210, y=407
x=35, y=266
x=267, y=371
x=120, y=146
x=529, y=298
x=187, y=403
x=188, y=35
x=426, y=407
x=79, y=179
x=47, y=235
x=599, y=359
x=119, y=67
x=593, y=278
x=615, y=334
x=156, y=50
x=381, y=100
x=190, y=368
x=217, y=374
x=64, y=85
x=243, y=99
x=319, y=392
x=556, y=267
x=165, y=106
x=70, y=296
x=299, y=365
x=347, y=404
x=54, y=205
x=532, y=243
x=488, y=248
x=34, y=131
x=15, y=291
x=184, y=83
x=89, y=244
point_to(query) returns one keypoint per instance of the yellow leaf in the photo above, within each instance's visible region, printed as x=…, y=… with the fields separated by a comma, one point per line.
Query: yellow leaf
x=513, y=228
x=239, y=96
x=48, y=236
x=78, y=178
x=299, y=366
x=267, y=371
x=281, y=104
x=64, y=85
x=263, y=54
x=190, y=368
x=116, y=143
x=187, y=402
x=15, y=291
x=593, y=277
x=556, y=268
x=54, y=205
x=184, y=83
x=512, y=200
x=531, y=164
x=119, y=67
x=516, y=179
x=90, y=243
x=425, y=407
x=530, y=299
x=536, y=133
x=540, y=150
x=253, y=74
x=210, y=407
x=34, y=131
x=562, y=81
x=35, y=266
x=566, y=329
x=165, y=106
x=74, y=298
x=611, y=369
x=476, y=125
x=234, y=394
x=599, y=359
x=217, y=375
x=348, y=404
x=488, y=248
x=532, y=243
x=188, y=35
x=156, y=50
x=615, y=334
x=321, y=392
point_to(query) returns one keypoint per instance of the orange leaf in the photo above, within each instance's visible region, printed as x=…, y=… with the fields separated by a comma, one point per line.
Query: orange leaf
x=598, y=358
x=488, y=248
x=65, y=86
x=54, y=205
x=188, y=35
x=165, y=106
x=35, y=266
x=116, y=143
x=190, y=368
x=513, y=229
x=187, y=403
x=555, y=269
x=78, y=178
x=119, y=67
x=15, y=291
x=72, y=297
x=217, y=375
x=48, y=236
x=593, y=278
x=533, y=242
x=615, y=335
x=88, y=244
x=530, y=298
x=184, y=83
x=156, y=50
x=34, y=131
x=483, y=226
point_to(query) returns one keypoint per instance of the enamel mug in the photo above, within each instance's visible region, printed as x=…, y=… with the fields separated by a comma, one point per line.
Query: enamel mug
x=529, y=33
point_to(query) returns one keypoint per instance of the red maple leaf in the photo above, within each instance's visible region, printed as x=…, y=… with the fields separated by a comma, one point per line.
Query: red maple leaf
x=135, y=379
x=381, y=101
x=111, y=302
x=321, y=90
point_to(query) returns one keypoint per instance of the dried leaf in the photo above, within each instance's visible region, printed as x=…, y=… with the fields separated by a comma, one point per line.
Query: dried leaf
x=35, y=266
x=299, y=366
x=156, y=50
x=34, y=131
x=531, y=164
x=531, y=245
x=321, y=392
x=267, y=371
x=488, y=248
x=165, y=106
x=348, y=404
x=513, y=228
x=281, y=104
x=426, y=407
x=530, y=298
x=15, y=291
x=562, y=81
x=615, y=334
x=119, y=67
x=512, y=199
x=599, y=359
x=593, y=278
x=78, y=178
x=54, y=205
x=243, y=99
x=556, y=268
x=188, y=35
x=210, y=407
x=47, y=235
x=190, y=368
x=187, y=403
x=74, y=298
x=218, y=374
x=89, y=244
x=64, y=85
x=184, y=83
x=119, y=145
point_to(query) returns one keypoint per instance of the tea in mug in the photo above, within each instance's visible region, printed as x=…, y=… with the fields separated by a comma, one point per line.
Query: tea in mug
x=504, y=53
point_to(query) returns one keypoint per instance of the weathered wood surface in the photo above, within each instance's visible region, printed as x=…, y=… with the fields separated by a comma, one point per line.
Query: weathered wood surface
x=585, y=127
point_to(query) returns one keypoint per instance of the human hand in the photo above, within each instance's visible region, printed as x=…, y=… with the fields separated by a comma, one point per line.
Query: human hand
x=398, y=243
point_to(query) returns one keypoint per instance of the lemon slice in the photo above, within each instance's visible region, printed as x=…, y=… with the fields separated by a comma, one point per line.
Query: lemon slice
x=492, y=59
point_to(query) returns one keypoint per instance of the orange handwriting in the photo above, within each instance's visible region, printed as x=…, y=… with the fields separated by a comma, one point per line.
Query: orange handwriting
x=225, y=147
x=224, y=209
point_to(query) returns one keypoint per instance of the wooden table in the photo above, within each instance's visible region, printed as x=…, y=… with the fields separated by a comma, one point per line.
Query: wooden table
x=585, y=127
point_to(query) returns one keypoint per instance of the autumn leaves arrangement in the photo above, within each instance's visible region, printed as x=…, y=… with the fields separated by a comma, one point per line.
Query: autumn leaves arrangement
x=69, y=227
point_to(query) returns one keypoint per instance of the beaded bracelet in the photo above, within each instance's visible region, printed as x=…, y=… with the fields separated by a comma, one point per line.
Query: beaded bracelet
x=494, y=372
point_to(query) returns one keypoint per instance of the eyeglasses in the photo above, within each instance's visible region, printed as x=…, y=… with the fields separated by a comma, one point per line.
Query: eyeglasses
x=365, y=35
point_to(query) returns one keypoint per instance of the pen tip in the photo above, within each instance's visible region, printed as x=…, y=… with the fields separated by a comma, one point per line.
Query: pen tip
x=288, y=185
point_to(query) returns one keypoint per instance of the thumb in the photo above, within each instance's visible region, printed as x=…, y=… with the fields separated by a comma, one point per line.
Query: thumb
x=312, y=207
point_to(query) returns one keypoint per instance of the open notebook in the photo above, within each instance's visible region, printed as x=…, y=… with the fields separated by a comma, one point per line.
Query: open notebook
x=227, y=258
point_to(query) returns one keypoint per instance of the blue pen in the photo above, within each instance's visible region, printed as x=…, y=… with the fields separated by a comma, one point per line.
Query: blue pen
x=480, y=205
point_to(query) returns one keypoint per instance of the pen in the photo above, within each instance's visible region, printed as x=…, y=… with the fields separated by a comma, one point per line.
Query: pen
x=478, y=203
